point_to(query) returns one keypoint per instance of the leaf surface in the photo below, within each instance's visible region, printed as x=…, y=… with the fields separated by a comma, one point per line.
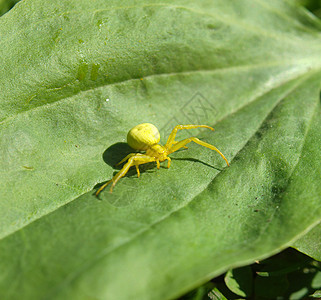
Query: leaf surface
x=82, y=73
x=310, y=243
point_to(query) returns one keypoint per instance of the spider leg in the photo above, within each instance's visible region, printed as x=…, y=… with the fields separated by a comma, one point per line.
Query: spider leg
x=171, y=138
x=137, y=170
x=169, y=161
x=197, y=141
x=134, y=160
x=127, y=157
x=175, y=142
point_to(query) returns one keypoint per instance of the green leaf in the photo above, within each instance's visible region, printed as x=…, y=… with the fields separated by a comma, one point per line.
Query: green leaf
x=295, y=275
x=240, y=281
x=313, y=5
x=310, y=243
x=215, y=294
x=316, y=294
x=77, y=76
x=202, y=293
x=6, y=5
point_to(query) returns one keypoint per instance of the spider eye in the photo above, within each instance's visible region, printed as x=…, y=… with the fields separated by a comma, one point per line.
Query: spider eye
x=142, y=136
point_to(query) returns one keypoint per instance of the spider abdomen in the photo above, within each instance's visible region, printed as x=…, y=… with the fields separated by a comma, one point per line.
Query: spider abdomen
x=143, y=136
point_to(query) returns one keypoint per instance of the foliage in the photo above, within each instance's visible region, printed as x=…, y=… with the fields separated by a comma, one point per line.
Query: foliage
x=77, y=75
x=288, y=275
x=6, y=5
x=313, y=5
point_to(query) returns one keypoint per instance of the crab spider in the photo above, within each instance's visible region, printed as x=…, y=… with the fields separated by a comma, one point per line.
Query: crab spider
x=145, y=137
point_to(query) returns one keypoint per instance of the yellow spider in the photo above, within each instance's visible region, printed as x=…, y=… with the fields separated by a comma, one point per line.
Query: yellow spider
x=145, y=137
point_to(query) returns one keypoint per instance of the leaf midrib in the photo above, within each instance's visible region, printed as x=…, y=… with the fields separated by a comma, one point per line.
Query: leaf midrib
x=307, y=63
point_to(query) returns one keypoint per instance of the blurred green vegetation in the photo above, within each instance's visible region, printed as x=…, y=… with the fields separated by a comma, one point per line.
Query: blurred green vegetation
x=312, y=5
x=287, y=275
x=6, y=5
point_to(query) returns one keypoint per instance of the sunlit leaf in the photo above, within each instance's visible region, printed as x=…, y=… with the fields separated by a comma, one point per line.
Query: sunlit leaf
x=77, y=75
